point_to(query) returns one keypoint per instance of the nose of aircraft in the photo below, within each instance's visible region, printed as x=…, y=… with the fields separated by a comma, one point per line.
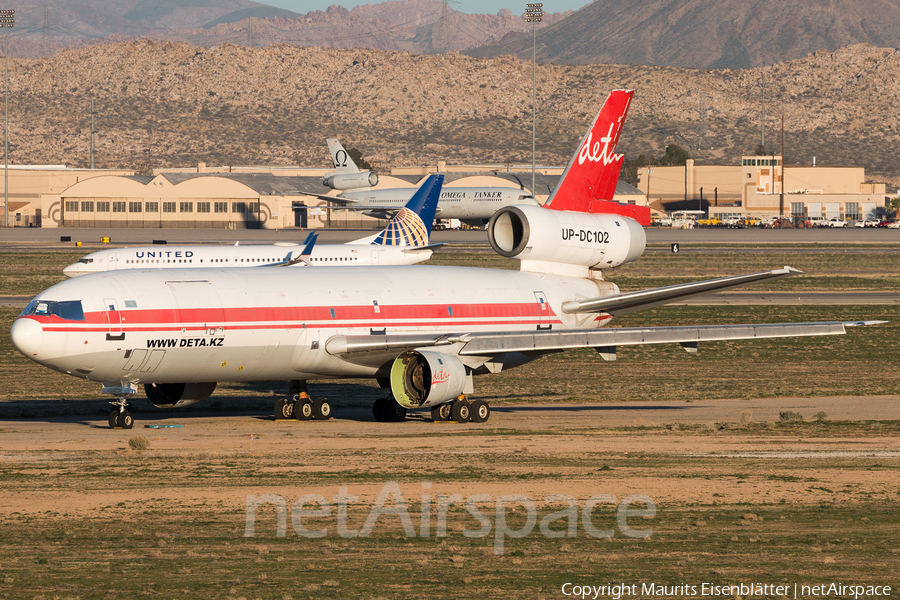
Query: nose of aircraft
x=26, y=336
x=72, y=270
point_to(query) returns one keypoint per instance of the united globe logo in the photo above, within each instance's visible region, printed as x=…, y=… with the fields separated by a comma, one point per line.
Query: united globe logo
x=405, y=229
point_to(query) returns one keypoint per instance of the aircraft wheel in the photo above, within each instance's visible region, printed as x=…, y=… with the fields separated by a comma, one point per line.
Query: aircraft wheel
x=481, y=411
x=303, y=409
x=379, y=410
x=126, y=420
x=460, y=411
x=114, y=419
x=394, y=412
x=284, y=409
x=441, y=412
x=321, y=409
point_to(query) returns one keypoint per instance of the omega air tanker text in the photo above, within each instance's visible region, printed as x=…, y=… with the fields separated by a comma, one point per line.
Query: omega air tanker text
x=421, y=331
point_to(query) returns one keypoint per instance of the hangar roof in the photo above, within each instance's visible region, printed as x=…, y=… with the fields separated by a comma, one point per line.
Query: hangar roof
x=275, y=185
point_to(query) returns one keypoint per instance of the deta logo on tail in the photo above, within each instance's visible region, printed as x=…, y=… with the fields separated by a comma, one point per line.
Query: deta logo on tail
x=604, y=155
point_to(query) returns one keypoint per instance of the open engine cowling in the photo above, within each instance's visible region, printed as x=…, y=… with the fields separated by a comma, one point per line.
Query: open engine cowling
x=172, y=395
x=425, y=379
x=350, y=181
x=592, y=240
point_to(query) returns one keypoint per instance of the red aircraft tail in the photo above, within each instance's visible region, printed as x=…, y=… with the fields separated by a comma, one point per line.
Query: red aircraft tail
x=589, y=182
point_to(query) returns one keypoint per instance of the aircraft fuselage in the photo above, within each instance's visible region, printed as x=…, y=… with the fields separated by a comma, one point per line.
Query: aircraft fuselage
x=454, y=202
x=193, y=325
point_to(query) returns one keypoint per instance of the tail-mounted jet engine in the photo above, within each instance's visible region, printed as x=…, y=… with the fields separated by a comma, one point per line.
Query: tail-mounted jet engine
x=421, y=379
x=350, y=181
x=592, y=240
x=172, y=395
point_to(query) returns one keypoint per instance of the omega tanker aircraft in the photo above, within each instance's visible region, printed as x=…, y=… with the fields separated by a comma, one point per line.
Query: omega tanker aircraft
x=472, y=205
x=403, y=242
x=422, y=332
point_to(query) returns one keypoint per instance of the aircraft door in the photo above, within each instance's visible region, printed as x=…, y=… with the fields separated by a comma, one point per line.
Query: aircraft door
x=543, y=311
x=200, y=309
x=113, y=319
x=111, y=262
x=375, y=256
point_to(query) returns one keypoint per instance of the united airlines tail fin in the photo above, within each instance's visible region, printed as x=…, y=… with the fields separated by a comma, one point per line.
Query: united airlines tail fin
x=589, y=182
x=412, y=225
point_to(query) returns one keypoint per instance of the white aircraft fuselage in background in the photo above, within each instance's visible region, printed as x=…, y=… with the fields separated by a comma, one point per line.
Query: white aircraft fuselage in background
x=258, y=255
x=466, y=203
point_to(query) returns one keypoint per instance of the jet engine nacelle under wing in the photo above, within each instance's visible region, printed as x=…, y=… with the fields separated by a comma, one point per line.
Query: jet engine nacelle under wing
x=592, y=240
x=172, y=395
x=422, y=379
x=351, y=181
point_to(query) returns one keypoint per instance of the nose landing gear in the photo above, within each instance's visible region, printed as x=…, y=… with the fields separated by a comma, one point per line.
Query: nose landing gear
x=120, y=417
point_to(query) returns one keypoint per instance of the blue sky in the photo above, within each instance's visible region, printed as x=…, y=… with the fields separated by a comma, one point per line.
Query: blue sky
x=490, y=7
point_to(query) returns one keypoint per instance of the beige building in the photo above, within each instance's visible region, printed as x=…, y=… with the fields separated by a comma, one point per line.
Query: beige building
x=755, y=189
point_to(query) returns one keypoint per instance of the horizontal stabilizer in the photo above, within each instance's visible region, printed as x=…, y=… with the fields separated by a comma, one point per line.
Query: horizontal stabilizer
x=620, y=304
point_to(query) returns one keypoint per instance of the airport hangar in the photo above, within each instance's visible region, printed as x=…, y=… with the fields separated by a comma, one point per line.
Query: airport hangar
x=237, y=198
x=278, y=197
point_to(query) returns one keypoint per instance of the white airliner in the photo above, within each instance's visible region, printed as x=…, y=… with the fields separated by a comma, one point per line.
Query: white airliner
x=472, y=205
x=423, y=332
x=403, y=242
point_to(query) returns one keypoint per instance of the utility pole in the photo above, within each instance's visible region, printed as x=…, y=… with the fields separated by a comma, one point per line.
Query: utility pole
x=534, y=13
x=7, y=20
x=781, y=194
x=762, y=120
x=92, y=132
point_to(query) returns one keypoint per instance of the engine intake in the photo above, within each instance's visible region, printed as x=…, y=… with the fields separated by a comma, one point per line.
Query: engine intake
x=172, y=395
x=350, y=181
x=425, y=379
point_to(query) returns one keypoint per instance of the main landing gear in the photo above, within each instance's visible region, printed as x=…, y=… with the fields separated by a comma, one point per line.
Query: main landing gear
x=301, y=406
x=462, y=411
x=120, y=417
x=388, y=410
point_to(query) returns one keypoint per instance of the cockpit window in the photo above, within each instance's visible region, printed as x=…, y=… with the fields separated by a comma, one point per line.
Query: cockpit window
x=69, y=310
x=86, y=261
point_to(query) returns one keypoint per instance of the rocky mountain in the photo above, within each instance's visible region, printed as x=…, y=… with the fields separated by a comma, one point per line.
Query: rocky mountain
x=418, y=26
x=703, y=34
x=165, y=104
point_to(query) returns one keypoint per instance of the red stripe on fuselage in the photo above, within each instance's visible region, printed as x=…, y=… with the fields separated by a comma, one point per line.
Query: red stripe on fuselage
x=416, y=315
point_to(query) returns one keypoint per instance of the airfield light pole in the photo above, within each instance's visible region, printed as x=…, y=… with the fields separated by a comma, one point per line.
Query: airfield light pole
x=534, y=13
x=7, y=20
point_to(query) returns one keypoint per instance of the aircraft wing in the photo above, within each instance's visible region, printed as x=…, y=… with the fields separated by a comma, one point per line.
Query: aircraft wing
x=620, y=304
x=303, y=257
x=344, y=203
x=412, y=249
x=491, y=344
